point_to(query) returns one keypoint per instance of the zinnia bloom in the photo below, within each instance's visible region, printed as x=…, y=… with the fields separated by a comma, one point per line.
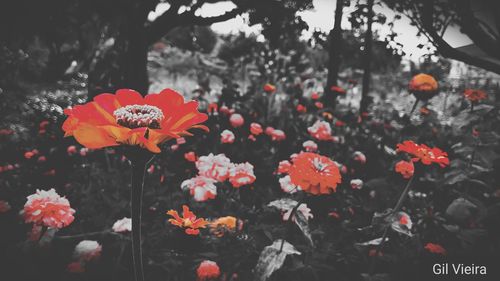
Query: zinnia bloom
x=236, y=120
x=356, y=184
x=301, y=109
x=87, y=250
x=49, y=209
x=241, y=174
x=4, y=206
x=424, y=153
x=223, y=225
x=123, y=225
x=127, y=118
x=190, y=156
x=283, y=167
x=214, y=166
x=188, y=221
x=226, y=137
x=474, y=95
x=314, y=173
x=423, y=86
x=278, y=135
x=338, y=90
x=208, y=270
x=405, y=168
x=256, y=129
x=200, y=187
x=310, y=146
x=321, y=130
x=359, y=157
x=269, y=88
x=435, y=248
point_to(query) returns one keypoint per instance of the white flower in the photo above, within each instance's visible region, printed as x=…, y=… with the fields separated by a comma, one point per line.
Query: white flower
x=226, y=137
x=123, y=225
x=87, y=250
x=356, y=184
x=310, y=146
x=241, y=174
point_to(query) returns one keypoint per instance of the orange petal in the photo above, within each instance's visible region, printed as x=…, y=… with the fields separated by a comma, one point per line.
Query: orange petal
x=93, y=137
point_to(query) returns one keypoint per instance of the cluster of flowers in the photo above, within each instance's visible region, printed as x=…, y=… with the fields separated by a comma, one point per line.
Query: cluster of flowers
x=213, y=169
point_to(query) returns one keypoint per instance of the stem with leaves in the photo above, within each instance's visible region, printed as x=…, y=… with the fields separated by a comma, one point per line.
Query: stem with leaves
x=394, y=211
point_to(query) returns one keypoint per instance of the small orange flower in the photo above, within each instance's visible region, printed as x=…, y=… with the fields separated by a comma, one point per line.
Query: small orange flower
x=424, y=153
x=424, y=110
x=127, y=118
x=474, y=95
x=435, y=248
x=188, y=221
x=223, y=225
x=423, y=86
x=405, y=168
x=314, y=173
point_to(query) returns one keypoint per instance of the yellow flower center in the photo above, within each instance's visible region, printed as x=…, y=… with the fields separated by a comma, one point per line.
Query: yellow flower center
x=136, y=116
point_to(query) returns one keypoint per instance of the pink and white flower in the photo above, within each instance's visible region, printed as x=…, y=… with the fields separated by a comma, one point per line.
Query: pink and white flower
x=214, y=166
x=200, y=187
x=356, y=184
x=310, y=146
x=49, y=209
x=226, y=137
x=321, y=130
x=241, y=174
x=236, y=120
x=278, y=135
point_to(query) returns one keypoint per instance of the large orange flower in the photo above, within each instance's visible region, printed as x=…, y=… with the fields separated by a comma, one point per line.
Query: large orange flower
x=425, y=154
x=314, y=173
x=188, y=220
x=127, y=118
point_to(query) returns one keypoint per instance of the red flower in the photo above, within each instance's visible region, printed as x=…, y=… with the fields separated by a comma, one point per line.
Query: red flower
x=269, y=131
x=188, y=221
x=212, y=107
x=241, y=174
x=338, y=90
x=268, y=88
x=278, y=135
x=424, y=153
x=314, y=173
x=318, y=104
x=208, y=270
x=405, y=168
x=71, y=150
x=435, y=248
x=127, y=118
x=424, y=111
x=190, y=156
x=474, y=95
x=301, y=109
x=256, y=129
x=314, y=96
x=236, y=120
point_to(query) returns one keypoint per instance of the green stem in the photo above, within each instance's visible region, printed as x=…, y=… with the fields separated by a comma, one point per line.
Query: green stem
x=138, y=172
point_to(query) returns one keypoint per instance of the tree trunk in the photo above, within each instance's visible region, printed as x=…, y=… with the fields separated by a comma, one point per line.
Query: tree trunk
x=123, y=65
x=365, y=99
x=334, y=45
